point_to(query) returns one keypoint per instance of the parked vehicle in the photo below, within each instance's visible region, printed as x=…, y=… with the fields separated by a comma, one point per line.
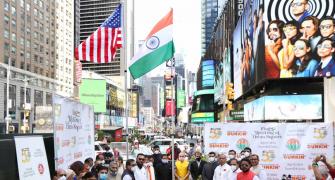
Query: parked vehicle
x=164, y=144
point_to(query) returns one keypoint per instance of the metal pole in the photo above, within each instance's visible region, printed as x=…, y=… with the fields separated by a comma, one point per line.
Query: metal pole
x=172, y=118
x=7, y=89
x=25, y=103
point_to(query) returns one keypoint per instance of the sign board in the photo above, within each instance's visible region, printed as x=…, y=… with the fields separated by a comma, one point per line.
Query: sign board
x=202, y=117
x=74, y=131
x=282, y=148
x=180, y=98
x=31, y=158
x=93, y=92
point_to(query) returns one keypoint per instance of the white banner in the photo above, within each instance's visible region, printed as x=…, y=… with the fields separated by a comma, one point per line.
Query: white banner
x=282, y=148
x=32, y=161
x=74, y=131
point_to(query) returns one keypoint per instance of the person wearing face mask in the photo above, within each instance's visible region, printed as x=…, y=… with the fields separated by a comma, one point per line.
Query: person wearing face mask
x=182, y=171
x=256, y=168
x=102, y=172
x=234, y=169
x=128, y=173
x=197, y=166
x=322, y=169
x=242, y=156
x=113, y=173
x=164, y=169
x=208, y=169
x=247, y=151
x=60, y=174
x=157, y=156
x=231, y=154
x=140, y=172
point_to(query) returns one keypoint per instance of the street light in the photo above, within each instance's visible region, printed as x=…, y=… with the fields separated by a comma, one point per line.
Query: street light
x=7, y=118
x=26, y=106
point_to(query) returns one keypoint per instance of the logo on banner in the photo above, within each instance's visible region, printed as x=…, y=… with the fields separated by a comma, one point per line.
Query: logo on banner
x=215, y=133
x=25, y=155
x=320, y=133
x=293, y=144
x=40, y=168
x=268, y=156
x=242, y=143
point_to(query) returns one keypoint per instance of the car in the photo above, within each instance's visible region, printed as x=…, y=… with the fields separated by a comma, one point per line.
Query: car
x=122, y=148
x=100, y=148
x=164, y=144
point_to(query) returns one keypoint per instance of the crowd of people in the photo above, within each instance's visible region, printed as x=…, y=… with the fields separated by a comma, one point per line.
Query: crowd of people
x=189, y=165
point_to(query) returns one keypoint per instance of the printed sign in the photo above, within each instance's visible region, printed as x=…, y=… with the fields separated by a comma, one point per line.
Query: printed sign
x=32, y=159
x=282, y=148
x=74, y=132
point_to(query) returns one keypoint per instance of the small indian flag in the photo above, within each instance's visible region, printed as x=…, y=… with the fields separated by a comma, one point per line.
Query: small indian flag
x=158, y=48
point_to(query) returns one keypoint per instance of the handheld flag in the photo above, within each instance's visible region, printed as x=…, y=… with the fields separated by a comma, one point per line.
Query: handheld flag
x=101, y=46
x=158, y=48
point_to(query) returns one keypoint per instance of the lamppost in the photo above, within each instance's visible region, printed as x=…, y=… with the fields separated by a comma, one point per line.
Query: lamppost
x=7, y=118
x=26, y=106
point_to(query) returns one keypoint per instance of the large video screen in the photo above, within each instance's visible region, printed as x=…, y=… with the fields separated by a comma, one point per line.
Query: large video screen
x=284, y=39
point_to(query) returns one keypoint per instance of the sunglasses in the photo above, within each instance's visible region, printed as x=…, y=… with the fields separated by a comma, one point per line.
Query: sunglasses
x=247, y=165
x=324, y=46
x=299, y=47
x=328, y=26
x=297, y=4
x=181, y=156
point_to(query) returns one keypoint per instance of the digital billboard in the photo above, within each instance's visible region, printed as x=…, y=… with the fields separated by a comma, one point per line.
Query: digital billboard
x=170, y=109
x=93, y=92
x=208, y=73
x=284, y=107
x=283, y=39
x=222, y=74
x=180, y=98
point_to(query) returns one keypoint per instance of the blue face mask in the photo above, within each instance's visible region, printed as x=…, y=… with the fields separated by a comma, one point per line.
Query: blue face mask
x=103, y=176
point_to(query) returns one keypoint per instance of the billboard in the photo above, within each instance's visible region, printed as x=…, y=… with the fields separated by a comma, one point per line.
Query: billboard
x=283, y=148
x=222, y=75
x=283, y=39
x=93, y=92
x=180, y=98
x=285, y=107
x=207, y=73
x=170, y=109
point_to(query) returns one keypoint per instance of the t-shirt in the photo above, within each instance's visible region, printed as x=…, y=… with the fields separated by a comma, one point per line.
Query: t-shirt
x=182, y=168
x=247, y=176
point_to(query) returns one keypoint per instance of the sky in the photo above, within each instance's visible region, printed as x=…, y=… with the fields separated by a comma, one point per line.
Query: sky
x=186, y=26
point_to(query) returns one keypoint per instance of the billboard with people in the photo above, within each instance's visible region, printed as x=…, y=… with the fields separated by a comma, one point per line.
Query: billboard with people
x=284, y=39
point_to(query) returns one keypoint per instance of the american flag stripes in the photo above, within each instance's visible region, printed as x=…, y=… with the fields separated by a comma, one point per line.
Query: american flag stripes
x=101, y=46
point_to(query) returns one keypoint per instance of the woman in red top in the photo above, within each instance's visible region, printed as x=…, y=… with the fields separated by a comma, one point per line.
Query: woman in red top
x=246, y=174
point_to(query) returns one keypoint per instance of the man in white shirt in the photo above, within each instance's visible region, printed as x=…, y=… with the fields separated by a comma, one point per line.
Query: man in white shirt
x=223, y=169
x=233, y=163
x=140, y=172
x=256, y=168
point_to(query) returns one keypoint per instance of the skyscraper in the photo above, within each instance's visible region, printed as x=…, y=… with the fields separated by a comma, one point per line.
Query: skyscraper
x=92, y=15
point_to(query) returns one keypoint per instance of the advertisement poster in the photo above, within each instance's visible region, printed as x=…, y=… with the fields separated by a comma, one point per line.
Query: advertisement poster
x=31, y=156
x=74, y=131
x=93, y=92
x=283, y=149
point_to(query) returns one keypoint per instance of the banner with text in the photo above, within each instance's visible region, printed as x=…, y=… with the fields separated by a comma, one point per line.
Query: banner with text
x=74, y=131
x=31, y=156
x=282, y=148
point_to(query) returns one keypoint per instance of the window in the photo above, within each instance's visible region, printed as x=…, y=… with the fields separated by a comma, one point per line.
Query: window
x=13, y=23
x=6, y=18
x=6, y=46
x=28, y=44
x=13, y=11
x=35, y=12
x=22, y=3
x=40, y=3
x=13, y=49
x=6, y=34
x=6, y=6
x=22, y=41
x=14, y=37
x=28, y=7
x=28, y=55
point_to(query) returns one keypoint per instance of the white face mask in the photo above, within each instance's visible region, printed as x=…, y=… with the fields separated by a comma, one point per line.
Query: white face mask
x=133, y=168
x=231, y=156
x=247, y=154
x=165, y=161
x=211, y=159
x=62, y=178
x=233, y=167
x=156, y=152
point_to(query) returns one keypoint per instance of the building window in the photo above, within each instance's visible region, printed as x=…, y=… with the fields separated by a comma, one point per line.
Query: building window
x=6, y=46
x=22, y=41
x=28, y=7
x=13, y=23
x=6, y=18
x=6, y=6
x=6, y=34
x=13, y=49
x=28, y=55
x=13, y=11
x=38, y=98
x=14, y=37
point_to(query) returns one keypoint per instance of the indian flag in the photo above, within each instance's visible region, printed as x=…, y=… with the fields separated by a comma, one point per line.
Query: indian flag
x=158, y=48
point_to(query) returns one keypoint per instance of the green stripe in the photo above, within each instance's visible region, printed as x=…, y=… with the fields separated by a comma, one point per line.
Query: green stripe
x=152, y=60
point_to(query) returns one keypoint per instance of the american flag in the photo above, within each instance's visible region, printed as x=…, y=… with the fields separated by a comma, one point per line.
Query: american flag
x=101, y=46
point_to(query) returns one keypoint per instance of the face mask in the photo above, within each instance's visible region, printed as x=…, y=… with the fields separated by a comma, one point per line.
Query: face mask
x=103, y=176
x=247, y=154
x=107, y=161
x=156, y=152
x=198, y=158
x=101, y=162
x=133, y=168
x=165, y=161
x=181, y=159
x=233, y=167
x=242, y=156
x=62, y=178
x=113, y=173
x=211, y=159
x=231, y=156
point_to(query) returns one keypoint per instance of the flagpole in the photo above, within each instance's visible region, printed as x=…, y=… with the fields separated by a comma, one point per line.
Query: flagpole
x=173, y=116
x=124, y=44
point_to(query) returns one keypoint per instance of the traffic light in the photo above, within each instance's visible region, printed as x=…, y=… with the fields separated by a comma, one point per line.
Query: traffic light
x=229, y=106
x=230, y=93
